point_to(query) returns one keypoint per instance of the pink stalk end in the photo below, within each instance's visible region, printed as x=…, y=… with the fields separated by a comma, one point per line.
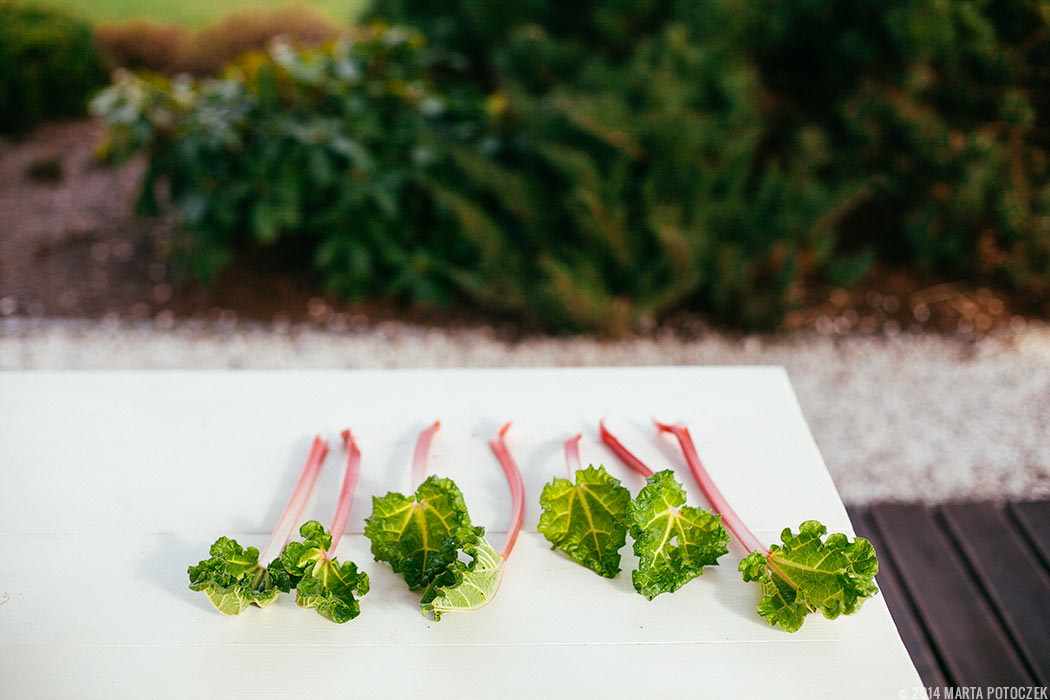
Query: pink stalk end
x=572, y=454
x=422, y=453
x=346, y=495
x=622, y=452
x=707, y=485
x=517, y=489
x=290, y=517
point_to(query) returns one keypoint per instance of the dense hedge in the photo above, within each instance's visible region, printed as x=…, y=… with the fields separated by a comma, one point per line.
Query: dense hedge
x=48, y=65
x=727, y=153
x=594, y=165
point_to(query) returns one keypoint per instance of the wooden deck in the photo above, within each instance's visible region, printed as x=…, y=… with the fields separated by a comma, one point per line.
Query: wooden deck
x=969, y=588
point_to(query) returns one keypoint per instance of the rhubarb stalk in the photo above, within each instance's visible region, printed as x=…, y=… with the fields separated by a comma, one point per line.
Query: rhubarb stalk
x=711, y=492
x=572, y=454
x=422, y=453
x=346, y=495
x=622, y=452
x=517, y=489
x=290, y=517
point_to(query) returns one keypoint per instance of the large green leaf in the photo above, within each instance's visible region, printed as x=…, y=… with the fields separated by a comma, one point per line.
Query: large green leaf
x=464, y=587
x=586, y=519
x=673, y=541
x=233, y=580
x=422, y=534
x=809, y=574
x=321, y=583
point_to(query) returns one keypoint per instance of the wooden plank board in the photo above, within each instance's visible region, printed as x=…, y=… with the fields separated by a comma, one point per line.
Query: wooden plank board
x=1014, y=579
x=126, y=478
x=908, y=622
x=972, y=644
x=1034, y=517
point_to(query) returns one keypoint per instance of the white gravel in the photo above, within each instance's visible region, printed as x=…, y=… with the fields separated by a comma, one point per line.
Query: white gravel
x=913, y=418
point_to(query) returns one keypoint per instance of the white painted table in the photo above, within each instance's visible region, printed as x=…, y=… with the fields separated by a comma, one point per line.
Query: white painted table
x=112, y=483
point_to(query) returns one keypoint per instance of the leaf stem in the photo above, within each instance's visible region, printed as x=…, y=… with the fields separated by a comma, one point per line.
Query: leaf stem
x=346, y=495
x=290, y=517
x=517, y=489
x=707, y=485
x=622, y=452
x=422, y=453
x=572, y=454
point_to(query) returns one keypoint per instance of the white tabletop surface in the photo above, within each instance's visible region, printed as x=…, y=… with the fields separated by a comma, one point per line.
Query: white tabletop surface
x=111, y=483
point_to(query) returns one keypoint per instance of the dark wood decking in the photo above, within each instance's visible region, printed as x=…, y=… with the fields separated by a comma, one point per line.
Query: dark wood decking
x=969, y=588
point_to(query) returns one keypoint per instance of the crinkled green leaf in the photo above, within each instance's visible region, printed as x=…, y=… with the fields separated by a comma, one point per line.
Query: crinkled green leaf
x=421, y=535
x=673, y=541
x=321, y=583
x=465, y=586
x=808, y=574
x=233, y=580
x=586, y=519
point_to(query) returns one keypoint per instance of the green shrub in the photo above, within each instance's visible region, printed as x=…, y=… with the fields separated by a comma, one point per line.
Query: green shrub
x=317, y=154
x=722, y=155
x=595, y=166
x=48, y=65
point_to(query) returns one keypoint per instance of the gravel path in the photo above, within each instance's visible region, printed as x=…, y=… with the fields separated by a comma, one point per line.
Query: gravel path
x=914, y=418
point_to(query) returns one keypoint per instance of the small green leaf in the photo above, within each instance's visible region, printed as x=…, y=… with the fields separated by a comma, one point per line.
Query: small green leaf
x=233, y=580
x=808, y=574
x=586, y=519
x=321, y=583
x=465, y=587
x=673, y=541
x=422, y=534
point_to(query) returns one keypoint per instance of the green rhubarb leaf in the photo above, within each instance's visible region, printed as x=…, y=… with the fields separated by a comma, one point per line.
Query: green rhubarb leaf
x=808, y=574
x=465, y=586
x=673, y=541
x=321, y=583
x=421, y=535
x=233, y=580
x=586, y=519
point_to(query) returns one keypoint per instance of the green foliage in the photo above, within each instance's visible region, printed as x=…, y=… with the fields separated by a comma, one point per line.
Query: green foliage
x=586, y=519
x=318, y=155
x=233, y=579
x=463, y=587
x=809, y=574
x=673, y=541
x=721, y=156
x=48, y=65
x=422, y=535
x=322, y=583
x=600, y=166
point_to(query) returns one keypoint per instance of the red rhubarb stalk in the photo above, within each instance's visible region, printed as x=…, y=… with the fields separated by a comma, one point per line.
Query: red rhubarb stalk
x=303, y=488
x=707, y=485
x=346, y=495
x=572, y=454
x=622, y=452
x=422, y=453
x=517, y=489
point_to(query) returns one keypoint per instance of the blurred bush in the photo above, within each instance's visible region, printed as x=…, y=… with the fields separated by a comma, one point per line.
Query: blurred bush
x=317, y=154
x=144, y=44
x=604, y=164
x=48, y=65
x=722, y=156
